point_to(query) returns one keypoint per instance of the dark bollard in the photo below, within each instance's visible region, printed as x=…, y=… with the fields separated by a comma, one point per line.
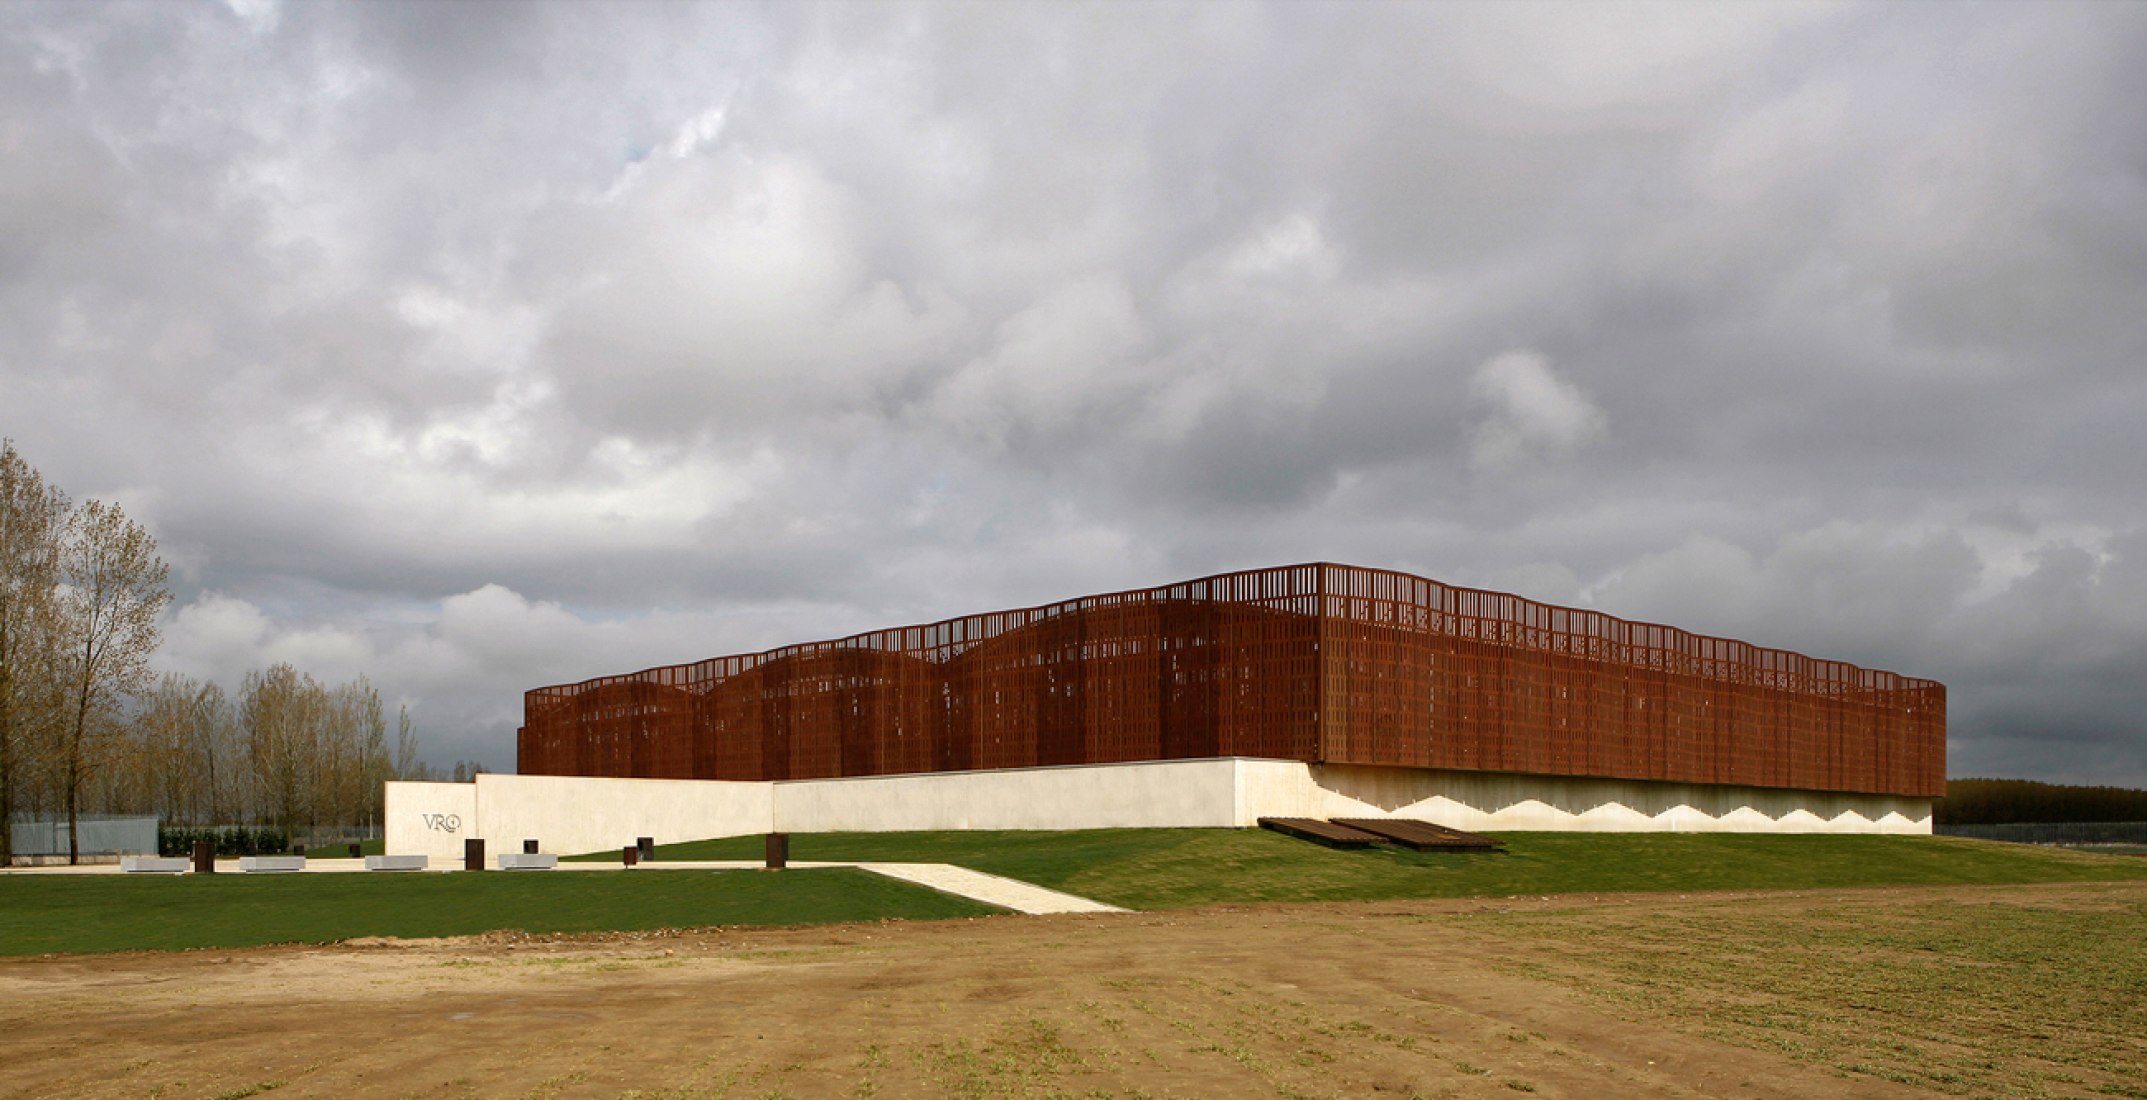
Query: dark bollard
x=529, y=847
x=473, y=854
x=356, y=851
x=204, y=857
x=629, y=855
x=778, y=851
x=647, y=845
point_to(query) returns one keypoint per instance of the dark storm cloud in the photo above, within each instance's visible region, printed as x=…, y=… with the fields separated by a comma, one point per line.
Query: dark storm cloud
x=480, y=346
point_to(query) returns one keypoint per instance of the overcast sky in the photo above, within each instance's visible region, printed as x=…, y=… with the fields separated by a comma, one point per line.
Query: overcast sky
x=480, y=346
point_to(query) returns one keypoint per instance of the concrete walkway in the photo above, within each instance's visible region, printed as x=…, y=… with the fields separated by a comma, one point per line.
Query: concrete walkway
x=1006, y=893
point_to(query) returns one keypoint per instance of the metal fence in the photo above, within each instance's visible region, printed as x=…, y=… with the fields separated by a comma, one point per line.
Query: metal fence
x=1322, y=663
x=101, y=834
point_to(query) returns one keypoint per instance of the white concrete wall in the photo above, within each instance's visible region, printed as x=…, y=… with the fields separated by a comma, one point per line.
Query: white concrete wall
x=1276, y=788
x=566, y=815
x=1494, y=802
x=1168, y=793
x=430, y=819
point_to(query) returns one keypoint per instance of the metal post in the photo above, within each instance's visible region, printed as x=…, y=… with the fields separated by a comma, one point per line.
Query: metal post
x=473, y=854
x=778, y=851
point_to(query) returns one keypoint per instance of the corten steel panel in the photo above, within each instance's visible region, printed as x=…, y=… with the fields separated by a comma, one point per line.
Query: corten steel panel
x=1320, y=663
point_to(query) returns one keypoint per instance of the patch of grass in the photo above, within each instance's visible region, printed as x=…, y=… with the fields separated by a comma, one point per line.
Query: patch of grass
x=249, y=1090
x=1164, y=868
x=1017, y=1058
x=1990, y=996
x=80, y=914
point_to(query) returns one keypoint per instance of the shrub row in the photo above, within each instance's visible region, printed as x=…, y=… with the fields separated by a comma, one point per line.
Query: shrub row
x=2006, y=801
x=230, y=840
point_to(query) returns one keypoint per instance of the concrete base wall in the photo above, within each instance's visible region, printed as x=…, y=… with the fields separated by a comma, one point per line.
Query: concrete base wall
x=566, y=815
x=1492, y=802
x=569, y=814
x=1161, y=794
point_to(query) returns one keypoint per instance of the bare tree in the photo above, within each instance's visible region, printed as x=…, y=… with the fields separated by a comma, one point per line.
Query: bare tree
x=214, y=730
x=32, y=519
x=181, y=753
x=272, y=709
x=373, y=775
x=111, y=592
x=406, y=765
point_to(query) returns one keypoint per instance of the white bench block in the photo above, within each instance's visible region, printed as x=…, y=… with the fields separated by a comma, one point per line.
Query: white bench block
x=518, y=861
x=160, y=865
x=396, y=863
x=272, y=863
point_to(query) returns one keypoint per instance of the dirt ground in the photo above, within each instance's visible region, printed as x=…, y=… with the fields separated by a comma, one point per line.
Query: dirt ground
x=1372, y=999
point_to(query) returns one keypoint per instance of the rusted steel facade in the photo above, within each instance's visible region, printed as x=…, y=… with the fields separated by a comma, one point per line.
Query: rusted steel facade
x=1320, y=663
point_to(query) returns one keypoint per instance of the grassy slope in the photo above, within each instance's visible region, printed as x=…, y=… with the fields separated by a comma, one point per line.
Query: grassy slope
x=83, y=914
x=1160, y=868
x=1140, y=868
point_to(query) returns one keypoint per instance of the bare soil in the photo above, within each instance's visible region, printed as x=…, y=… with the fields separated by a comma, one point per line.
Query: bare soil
x=1371, y=999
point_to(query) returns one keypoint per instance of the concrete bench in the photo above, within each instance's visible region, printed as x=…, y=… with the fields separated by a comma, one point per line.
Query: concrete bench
x=527, y=861
x=155, y=865
x=260, y=864
x=396, y=863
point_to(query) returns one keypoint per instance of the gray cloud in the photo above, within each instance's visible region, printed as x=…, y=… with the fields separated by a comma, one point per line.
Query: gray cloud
x=481, y=346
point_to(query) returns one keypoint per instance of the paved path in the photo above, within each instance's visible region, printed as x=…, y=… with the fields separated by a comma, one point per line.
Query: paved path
x=1006, y=893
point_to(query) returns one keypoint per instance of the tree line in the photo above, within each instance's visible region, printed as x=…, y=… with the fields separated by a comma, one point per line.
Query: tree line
x=2014, y=801
x=85, y=727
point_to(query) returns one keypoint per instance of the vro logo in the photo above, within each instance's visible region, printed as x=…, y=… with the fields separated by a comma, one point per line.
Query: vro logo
x=446, y=823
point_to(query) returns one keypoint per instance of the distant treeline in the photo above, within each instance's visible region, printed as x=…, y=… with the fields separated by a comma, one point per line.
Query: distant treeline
x=2005, y=801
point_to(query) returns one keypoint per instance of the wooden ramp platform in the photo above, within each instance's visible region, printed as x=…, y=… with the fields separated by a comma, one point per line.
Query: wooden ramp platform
x=1420, y=835
x=1321, y=832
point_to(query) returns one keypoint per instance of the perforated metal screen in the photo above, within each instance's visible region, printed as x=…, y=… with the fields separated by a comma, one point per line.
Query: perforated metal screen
x=1320, y=663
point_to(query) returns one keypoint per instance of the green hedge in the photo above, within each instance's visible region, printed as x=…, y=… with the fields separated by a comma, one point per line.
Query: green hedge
x=230, y=840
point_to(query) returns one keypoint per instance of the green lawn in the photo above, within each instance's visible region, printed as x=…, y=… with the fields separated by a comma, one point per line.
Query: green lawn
x=1137, y=868
x=1162, y=868
x=78, y=914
